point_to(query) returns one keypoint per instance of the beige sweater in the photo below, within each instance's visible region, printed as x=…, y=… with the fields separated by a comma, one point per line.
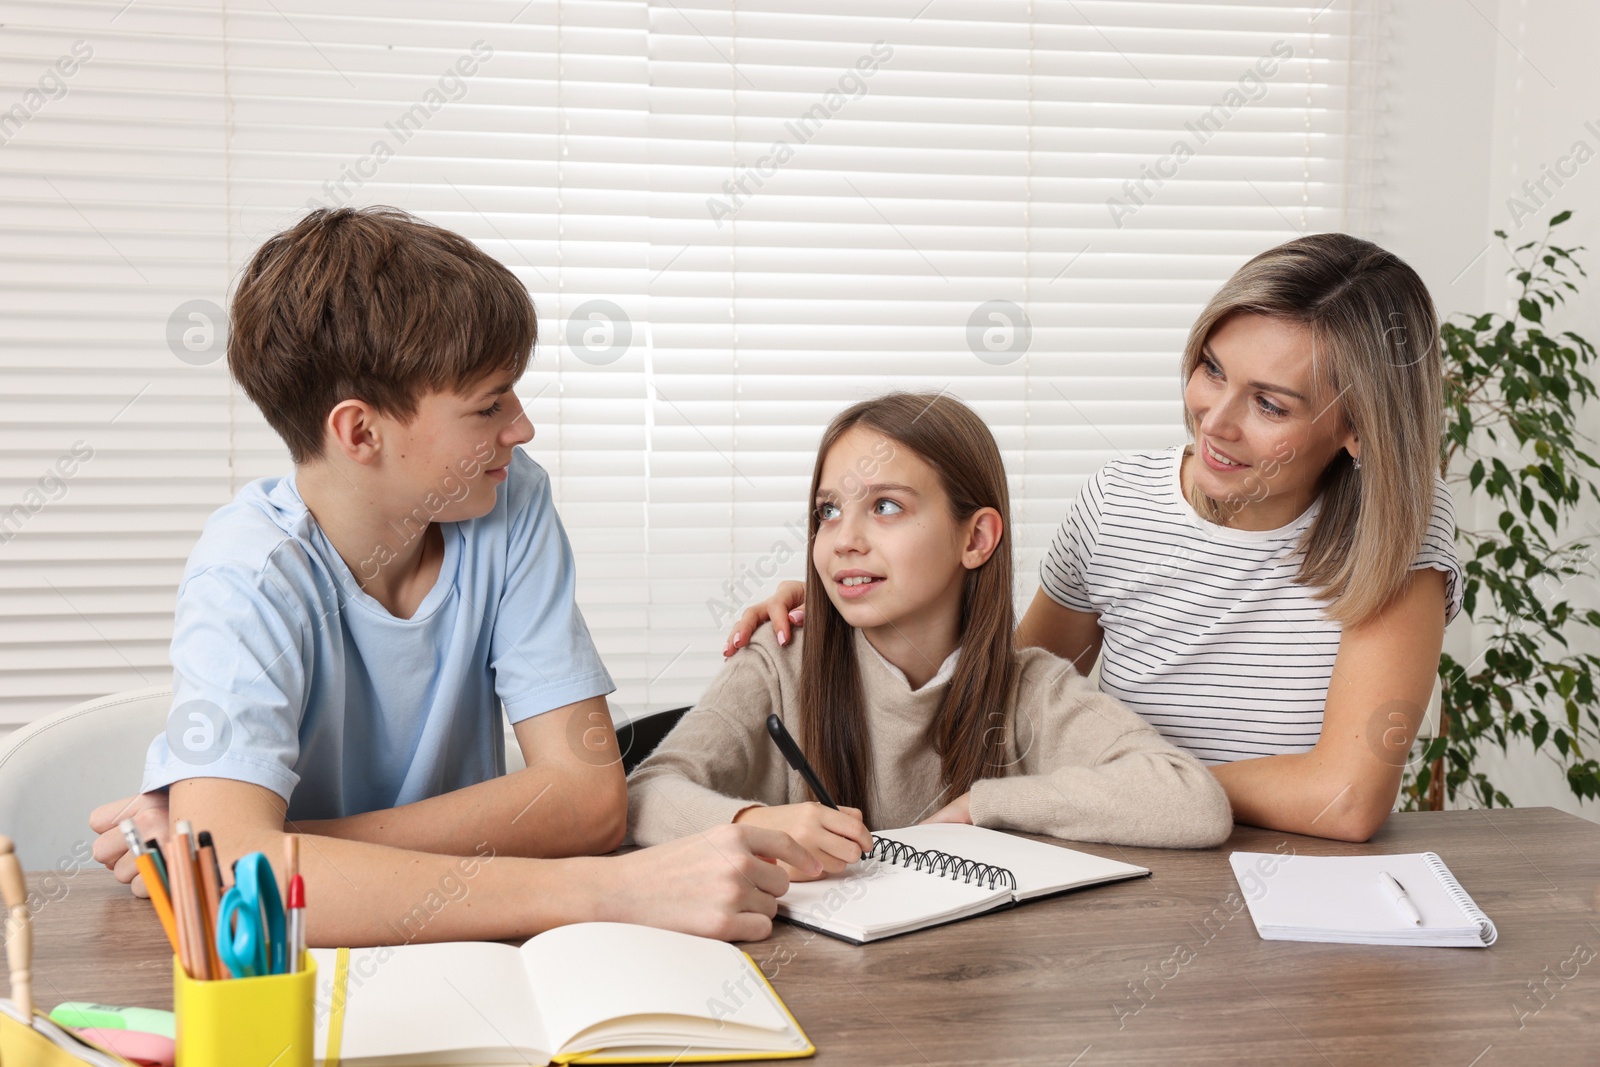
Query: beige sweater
x=1081, y=765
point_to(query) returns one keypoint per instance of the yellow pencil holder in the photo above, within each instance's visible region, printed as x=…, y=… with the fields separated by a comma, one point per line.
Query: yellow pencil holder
x=246, y=1022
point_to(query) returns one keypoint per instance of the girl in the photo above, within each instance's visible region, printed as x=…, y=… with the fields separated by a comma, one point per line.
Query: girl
x=907, y=693
x=1273, y=597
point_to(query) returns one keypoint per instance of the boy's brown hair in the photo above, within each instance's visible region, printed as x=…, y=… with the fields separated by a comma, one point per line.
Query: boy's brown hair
x=371, y=304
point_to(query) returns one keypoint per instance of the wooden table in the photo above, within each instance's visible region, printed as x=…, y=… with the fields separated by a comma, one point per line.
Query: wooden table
x=1165, y=970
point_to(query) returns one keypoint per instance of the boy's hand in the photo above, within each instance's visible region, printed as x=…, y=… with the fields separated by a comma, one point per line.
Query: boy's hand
x=835, y=838
x=723, y=883
x=149, y=814
x=785, y=608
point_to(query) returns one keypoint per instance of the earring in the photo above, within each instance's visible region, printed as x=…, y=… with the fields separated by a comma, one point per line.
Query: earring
x=1357, y=462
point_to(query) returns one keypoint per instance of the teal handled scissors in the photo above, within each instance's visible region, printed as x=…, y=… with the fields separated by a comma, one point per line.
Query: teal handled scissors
x=250, y=924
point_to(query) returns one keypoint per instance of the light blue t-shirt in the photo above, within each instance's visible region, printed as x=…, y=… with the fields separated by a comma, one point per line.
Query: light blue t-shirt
x=287, y=675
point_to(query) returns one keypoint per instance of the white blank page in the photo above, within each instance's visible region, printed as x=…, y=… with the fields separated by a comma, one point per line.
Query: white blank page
x=422, y=1003
x=589, y=973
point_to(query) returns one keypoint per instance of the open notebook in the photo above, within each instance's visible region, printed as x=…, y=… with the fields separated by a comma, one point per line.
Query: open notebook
x=595, y=992
x=922, y=876
x=1342, y=899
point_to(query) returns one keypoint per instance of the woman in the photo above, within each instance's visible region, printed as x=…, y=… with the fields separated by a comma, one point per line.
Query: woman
x=1273, y=597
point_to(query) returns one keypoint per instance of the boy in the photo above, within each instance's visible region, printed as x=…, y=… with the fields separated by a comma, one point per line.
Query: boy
x=344, y=636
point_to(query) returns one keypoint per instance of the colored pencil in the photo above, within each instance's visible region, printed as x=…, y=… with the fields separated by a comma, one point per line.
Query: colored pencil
x=210, y=905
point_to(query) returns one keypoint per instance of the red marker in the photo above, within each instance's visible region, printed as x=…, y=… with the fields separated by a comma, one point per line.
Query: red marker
x=297, y=922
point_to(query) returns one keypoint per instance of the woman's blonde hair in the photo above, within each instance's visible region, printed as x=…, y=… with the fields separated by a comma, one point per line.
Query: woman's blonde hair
x=1375, y=343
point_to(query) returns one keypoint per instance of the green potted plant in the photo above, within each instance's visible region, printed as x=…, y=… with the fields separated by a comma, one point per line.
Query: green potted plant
x=1513, y=389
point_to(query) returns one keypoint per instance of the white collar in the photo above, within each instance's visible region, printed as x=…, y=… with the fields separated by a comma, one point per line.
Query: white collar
x=946, y=669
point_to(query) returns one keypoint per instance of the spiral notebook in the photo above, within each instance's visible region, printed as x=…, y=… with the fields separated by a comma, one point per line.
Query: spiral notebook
x=1342, y=900
x=923, y=876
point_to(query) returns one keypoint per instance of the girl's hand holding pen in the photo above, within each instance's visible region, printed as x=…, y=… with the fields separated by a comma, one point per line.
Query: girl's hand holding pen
x=835, y=837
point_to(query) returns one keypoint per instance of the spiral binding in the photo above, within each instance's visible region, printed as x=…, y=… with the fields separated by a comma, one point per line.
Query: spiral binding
x=1468, y=906
x=942, y=864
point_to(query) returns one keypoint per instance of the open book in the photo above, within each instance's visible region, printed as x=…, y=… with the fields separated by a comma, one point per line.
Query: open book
x=922, y=876
x=1343, y=899
x=596, y=992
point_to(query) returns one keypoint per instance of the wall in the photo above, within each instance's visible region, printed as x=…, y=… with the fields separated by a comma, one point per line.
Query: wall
x=1481, y=97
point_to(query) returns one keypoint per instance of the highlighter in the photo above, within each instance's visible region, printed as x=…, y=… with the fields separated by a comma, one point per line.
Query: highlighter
x=79, y=1014
x=135, y=1046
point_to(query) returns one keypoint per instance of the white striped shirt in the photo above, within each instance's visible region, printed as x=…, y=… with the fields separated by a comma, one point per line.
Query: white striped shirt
x=1207, y=635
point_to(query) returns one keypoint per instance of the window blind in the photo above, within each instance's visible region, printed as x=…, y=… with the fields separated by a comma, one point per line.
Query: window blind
x=734, y=218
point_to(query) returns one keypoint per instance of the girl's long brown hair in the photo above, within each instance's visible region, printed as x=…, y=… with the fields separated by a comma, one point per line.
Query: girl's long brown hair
x=974, y=722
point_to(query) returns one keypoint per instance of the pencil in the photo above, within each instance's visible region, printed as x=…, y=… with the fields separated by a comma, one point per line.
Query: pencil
x=158, y=895
x=154, y=848
x=191, y=848
x=197, y=924
x=145, y=861
x=190, y=925
x=210, y=905
x=180, y=911
x=216, y=868
x=131, y=834
x=203, y=947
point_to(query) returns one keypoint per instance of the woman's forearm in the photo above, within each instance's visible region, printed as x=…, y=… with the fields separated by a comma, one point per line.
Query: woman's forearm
x=1308, y=793
x=1346, y=785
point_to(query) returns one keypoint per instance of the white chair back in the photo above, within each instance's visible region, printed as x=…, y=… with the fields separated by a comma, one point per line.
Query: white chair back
x=55, y=771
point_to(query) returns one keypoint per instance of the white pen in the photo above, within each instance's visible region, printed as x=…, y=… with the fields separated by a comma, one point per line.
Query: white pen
x=1401, y=900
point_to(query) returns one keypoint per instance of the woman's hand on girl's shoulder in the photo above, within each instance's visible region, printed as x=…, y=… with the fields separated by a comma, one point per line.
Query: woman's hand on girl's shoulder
x=835, y=837
x=785, y=608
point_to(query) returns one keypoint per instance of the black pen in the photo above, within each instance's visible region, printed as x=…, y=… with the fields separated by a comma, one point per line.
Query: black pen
x=797, y=759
